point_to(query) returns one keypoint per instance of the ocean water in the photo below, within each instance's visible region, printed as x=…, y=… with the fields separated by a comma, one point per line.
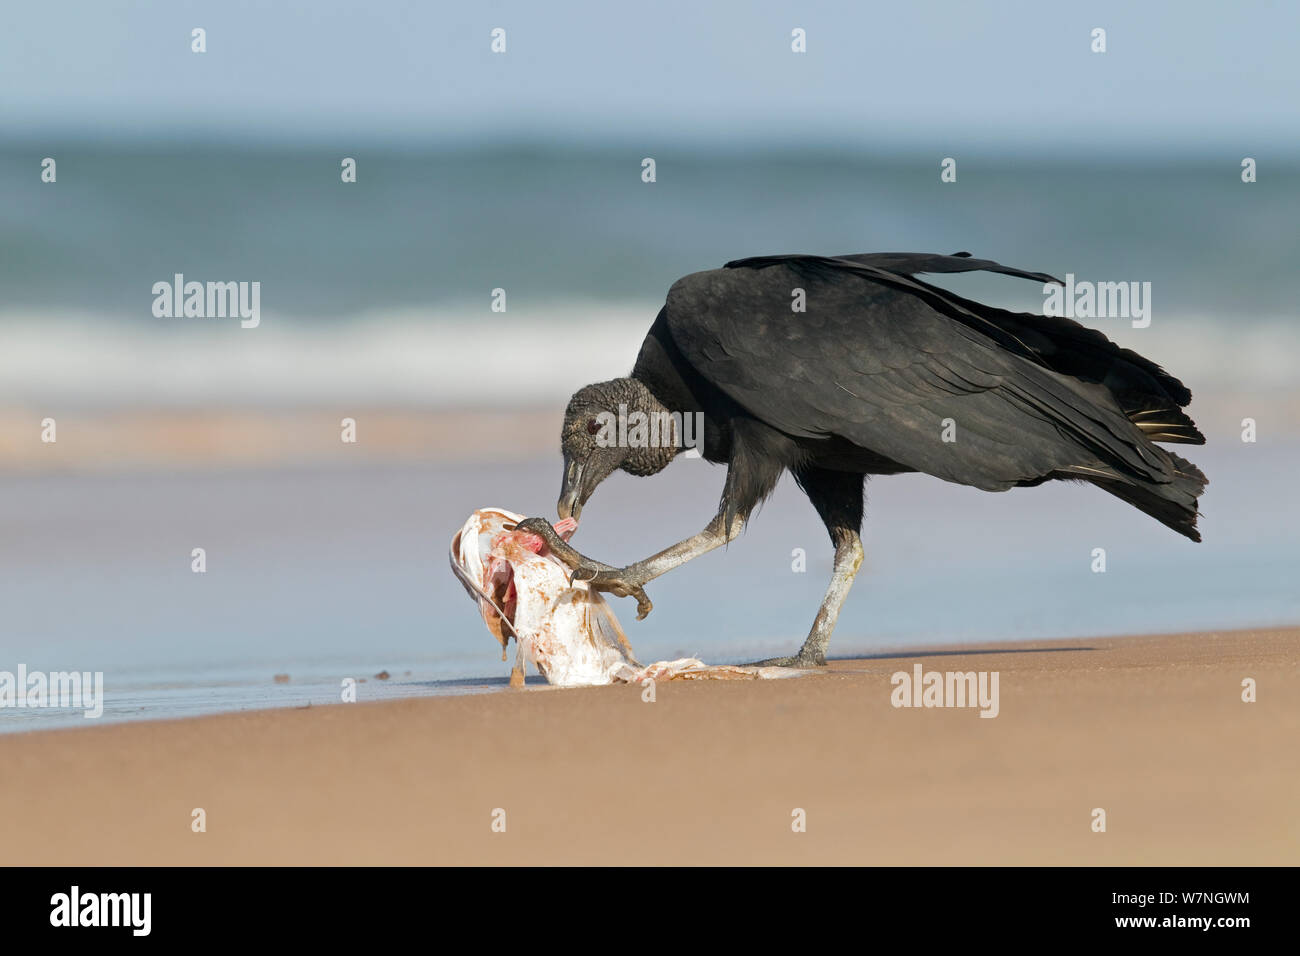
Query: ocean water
x=379, y=293
x=382, y=289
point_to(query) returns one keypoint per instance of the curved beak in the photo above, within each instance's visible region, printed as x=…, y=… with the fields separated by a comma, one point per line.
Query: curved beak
x=572, y=493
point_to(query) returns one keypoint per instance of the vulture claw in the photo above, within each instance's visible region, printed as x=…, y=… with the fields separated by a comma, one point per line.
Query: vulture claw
x=599, y=577
x=614, y=582
x=566, y=552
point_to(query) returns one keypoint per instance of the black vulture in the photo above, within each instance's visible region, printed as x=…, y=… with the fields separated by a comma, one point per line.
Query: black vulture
x=882, y=373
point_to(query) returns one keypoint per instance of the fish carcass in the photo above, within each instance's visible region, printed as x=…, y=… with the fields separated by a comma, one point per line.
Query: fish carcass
x=566, y=630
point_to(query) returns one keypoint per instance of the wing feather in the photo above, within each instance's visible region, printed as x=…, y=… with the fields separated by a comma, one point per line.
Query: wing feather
x=879, y=359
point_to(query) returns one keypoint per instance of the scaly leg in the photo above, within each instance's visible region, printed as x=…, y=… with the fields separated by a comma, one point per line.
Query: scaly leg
x=839, y=499
x=631, y=580
x=848, y=558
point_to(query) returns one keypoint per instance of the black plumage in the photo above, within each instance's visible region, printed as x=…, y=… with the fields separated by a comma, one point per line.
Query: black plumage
x=882, y=373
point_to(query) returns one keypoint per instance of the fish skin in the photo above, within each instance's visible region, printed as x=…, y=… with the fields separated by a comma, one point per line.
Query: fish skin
x=566, y=630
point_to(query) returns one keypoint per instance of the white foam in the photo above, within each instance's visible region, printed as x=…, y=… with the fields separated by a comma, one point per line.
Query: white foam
x=447, y=357
x=463, y=356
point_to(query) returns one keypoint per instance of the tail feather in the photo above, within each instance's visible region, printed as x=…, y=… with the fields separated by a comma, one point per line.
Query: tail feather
x=1172, y=503
x=1167, y=424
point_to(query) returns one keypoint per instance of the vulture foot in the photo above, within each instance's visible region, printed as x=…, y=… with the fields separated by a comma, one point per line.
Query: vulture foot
x=601, y=577
x=619, y=583
x=798, y=660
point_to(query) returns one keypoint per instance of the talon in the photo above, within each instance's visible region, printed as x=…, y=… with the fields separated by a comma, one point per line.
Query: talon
x=535, y=525
x=557, y=546
x=612, y=582
x=597, y=576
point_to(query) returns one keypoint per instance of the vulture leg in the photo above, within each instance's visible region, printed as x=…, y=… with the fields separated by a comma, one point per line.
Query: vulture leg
x=848, y=558
x=837, y=496
x=631, y=580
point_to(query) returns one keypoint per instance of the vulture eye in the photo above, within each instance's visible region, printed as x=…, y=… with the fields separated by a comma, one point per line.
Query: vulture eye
x=593, y=426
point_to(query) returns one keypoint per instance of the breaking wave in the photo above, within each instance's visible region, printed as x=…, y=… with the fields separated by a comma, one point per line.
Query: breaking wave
x=464, y=357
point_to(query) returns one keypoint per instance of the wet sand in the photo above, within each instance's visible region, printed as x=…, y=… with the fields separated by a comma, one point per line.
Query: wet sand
x=116, y=438
x=91, y=440
x=1151, y=729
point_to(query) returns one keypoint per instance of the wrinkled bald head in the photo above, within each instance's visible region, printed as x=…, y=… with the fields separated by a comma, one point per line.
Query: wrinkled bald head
x=588, y=439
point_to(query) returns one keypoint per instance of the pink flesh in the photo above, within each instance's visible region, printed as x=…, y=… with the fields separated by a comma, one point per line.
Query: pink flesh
x=500, y=572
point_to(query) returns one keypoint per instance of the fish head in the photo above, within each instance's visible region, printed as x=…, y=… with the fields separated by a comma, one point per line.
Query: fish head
x=524, y=591
x=486, y=556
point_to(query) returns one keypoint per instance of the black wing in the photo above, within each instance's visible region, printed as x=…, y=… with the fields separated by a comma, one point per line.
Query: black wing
x=881, y=359
x=1149, y=395
x=903, y=263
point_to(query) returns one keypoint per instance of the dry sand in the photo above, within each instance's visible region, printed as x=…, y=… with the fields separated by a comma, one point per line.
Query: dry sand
x=1152, y=729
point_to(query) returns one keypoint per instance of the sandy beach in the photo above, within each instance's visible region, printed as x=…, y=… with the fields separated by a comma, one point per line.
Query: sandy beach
x=1153, y=730
x=288, y=302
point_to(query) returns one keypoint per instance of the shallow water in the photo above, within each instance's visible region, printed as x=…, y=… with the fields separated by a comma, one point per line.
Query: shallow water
x=327, y=574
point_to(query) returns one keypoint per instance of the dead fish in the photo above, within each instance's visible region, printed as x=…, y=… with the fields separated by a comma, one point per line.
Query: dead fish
x=566, y=630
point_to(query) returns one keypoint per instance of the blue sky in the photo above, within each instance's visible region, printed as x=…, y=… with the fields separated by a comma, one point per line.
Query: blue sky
x=988, y=74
